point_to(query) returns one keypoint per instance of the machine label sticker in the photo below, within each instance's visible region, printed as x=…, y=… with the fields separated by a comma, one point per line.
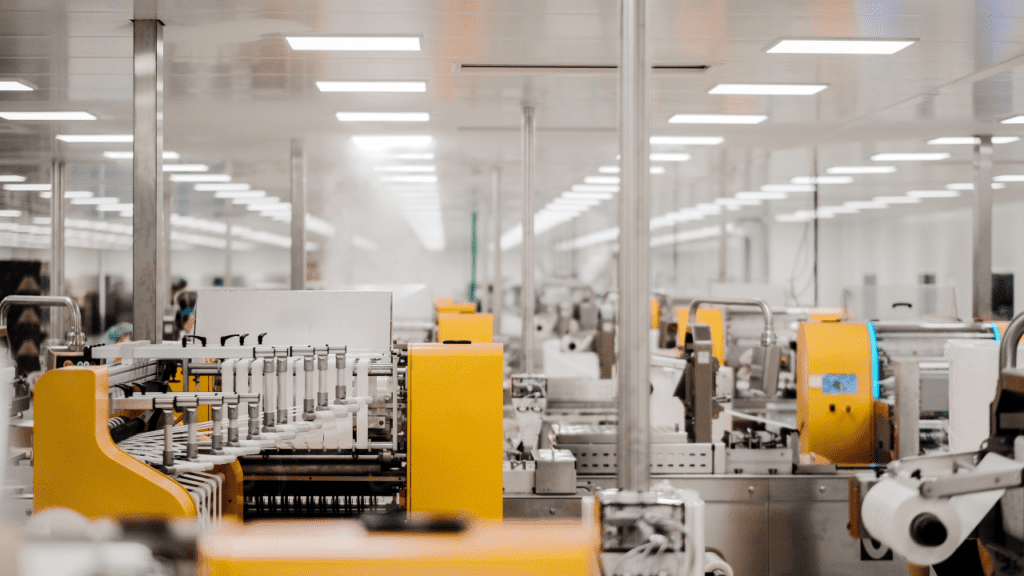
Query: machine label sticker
x=703, y=358
x=839, y=383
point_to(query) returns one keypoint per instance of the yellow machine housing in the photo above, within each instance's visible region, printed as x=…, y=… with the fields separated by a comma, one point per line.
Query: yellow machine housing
x=477, y=328
x=454, y=429
x=713, y=318
x=655, y=313
x=455, y=307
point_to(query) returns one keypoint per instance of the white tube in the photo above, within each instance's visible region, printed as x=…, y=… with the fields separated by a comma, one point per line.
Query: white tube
x=227, y=376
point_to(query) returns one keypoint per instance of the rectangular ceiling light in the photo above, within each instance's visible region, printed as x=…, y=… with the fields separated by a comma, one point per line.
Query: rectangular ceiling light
x=200, y=178
x=587, y=195
x=613, y=169
x=409, y=168
x=58, y=115
x=186, y=167
x=372, y=86
x=217, y=186
x=11, y=178
x=258, y=200
x=897, y=200
x=418, y=179
x=601, y=180
x=375, y=143
x=910, y=156
x=10, y=213
x=839, y=46
x=862, y=205
x=761, y=195
x=14, y=86
x=383, y=116
x=968, y=140
x=95, y=201
x=71, y=194
x=822, y=180
x=357, y=43
x=657, y=169
x=414, y=156
x=787, y=188
x=669, y=157
x=240, y=194
x=861, y=170
x=717, y=119
x=933, y=194
x=115, y=207
x=768, y=89
x=26, y=187
x=594, y=188
x=687, y=140
x=94, y=138
x=1014, y=120
x=128, y=154
x=1003, y=178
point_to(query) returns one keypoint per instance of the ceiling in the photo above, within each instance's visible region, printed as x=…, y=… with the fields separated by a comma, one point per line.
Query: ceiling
x=236, y=94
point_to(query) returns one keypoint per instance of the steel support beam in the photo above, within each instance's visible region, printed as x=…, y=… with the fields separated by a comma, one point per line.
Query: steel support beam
x=57, y=204
x=981, y=261
x=497, y=295
x=527, y=294
x=147, y=183
x=298, y=164
x=634, y=247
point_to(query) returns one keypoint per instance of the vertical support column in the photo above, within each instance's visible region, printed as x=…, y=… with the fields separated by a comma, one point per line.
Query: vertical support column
x=57, y=204
x=298, y=163
x=228, y=282
x=634, y=247
x=981, y=261
x=527, y=293
x=147, y=183
x=497, y=291
x=164, y=281
x=723, y=219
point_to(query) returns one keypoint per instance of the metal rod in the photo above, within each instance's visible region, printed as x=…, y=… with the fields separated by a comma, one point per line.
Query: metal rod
x=497, y=292
x=527, y=292
x=634, y=246
x=1008, y=346
x=981, y=262
x=57, y=204
x=767, y=337
x=298, y=171
x=147, y=191
x=52, y=301
x=723, y=219
x=227, y=247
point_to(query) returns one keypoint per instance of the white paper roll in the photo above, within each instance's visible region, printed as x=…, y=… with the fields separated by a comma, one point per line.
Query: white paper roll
x=973, y=374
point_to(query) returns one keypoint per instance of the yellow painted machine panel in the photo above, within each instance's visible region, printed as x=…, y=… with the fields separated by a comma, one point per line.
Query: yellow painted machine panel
x=713, y=318
x=456, y=307
x=78, y=466
x=477, y=328
x=835, y=403
x=655, y=313
x=455, y=429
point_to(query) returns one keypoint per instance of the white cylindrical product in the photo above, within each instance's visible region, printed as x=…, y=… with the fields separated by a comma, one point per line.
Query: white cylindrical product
x=891, y=507
x=973, y=375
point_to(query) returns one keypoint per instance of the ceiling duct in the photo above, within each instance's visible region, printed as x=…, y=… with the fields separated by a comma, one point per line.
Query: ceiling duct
x=563, y=69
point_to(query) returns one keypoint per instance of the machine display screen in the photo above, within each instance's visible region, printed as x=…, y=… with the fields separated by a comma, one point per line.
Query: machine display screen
x=839, y=383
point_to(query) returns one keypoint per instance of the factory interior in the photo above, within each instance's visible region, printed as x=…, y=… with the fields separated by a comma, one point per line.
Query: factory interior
x=511, y=287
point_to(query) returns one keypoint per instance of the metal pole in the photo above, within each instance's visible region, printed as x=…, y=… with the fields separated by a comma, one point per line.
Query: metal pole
x=814, y=174
x=497, y=296
x=227, y=247
x=57, y=248
x=981, y=262
x=723, y=223
x=101, y=291
x=164, y=282
x=634, y=247
x=298, y=163
x=147, y=183
x=527, y=295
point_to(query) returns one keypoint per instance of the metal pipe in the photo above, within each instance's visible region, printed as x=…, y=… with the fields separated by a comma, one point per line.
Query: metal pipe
x=298, y=181
x=66, y=301
x=1011, y=338
x=767, y=337
x=633, y=440
x=882, y=328
x=497, y=292
x=527, y=293
x=57, y=247
x=981, y=261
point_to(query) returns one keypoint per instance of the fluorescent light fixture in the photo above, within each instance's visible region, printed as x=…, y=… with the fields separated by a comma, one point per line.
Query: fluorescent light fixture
x=200, y=178
x=14, y=86
x=418, y=179
x=1003, y=178
x=57, y=116
x=717, y=119
x=409, y=168
x=768, y=89
x=861, y=170
x=601, y=180
x=94, y=138
x=186, y=167
x=240, y=194
x=957, y=140
x=862, y=205
x=868, y=46
x=383, y=116
x=960, y=186
x=933, y=194
x=273, y=207
x=594, y=188
x=669, y=157
x=256, y=200
x=1014, y=120
x=127, y=155
x=414, y=156
x=828, y=211
x=218, y=186
x=910, y=156
x=116, y=207
x=573, y=209
x=787, y=188
x=372, y=86
x=101, y=201
x=588, y=195
x=657, y=169
x=11, y=178
x=10, y=213
x=574, y=202
x=70, y=194
x=727, y=202
x=822, y=180
x=26, y=187
x=375, y=143
x=687, y=140
x=761, y=195
x=363, y=43
x=612, y=169
x=897, y=200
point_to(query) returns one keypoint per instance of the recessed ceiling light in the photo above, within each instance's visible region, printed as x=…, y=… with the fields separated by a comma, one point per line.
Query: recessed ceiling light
x=601, y=180
x=761, y=195
x=115, y=207
x=186, y=167
x=365, y=43
x=669, y=157
x=910, y=156
x=375, y=143
x=422, y=179
x=26, y=187
x=15, y=86
x=200, y=178
x=256, y=200
x=94, y=138
x=822, y=180
x=787, y=188
x=240, y=194
x=933, y=194
x=728, y=202
x=964, y=140
x=588, y=195
x=128, y=154
x=218, y=186
x=11, y=178
x=717, y=119
x=839, y=46
x=95, y=201
x=70, y=194
x=897, y=200
x=594, y=188
x=687, y=140
x=609, y=169
x=10, y=213
x=865, y=205
x=410, y=168
x=657, y=169
x=1014, y=120
x=413, y=156
x=57, y=116
x=861, y=170
x=1010, y=178
x=768, y=89
x=371, y=86
x=383, y=116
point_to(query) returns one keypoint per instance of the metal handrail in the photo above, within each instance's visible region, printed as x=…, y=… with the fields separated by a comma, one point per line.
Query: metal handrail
x=767, y=337
x=76, y=339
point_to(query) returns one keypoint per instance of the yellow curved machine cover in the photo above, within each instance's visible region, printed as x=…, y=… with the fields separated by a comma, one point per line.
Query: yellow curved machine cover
x=78, y=466
x=713, y=318
x=477, y=328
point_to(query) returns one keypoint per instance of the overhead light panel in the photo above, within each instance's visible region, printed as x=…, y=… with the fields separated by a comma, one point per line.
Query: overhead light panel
x=128, y=154
x=610, y=169
x=94, y=138
x=115, y=207
x=717, y=119
x=55, y=116
x=27, y=187
x=374, y=143
x=933, y=194
x=669, y=157
x=594, y=188
x=865, y=205
x=787, y=188
x=687, y=140
x=10, y=213
x=761, y=195
x=355, y=43
x=910, y=157
x=861, y=170
x=410, y=179
x=970, y=140
x=383, y=116
x=186, y=167
x=1014, y=120
x=897, y=200
x=657, y=170
x=231, y=194
x=601, y=180
x=867, y=46
x=822, y=180
x=200, y=178
x=409, y=168
x=1010, y=178
x=102, y=200
x=70, y=194
x=768, y=89
x=11, y=178
x=220, y=186
x=256, y=200
x=588, y=195
x=15, y=86
x=415, y=86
